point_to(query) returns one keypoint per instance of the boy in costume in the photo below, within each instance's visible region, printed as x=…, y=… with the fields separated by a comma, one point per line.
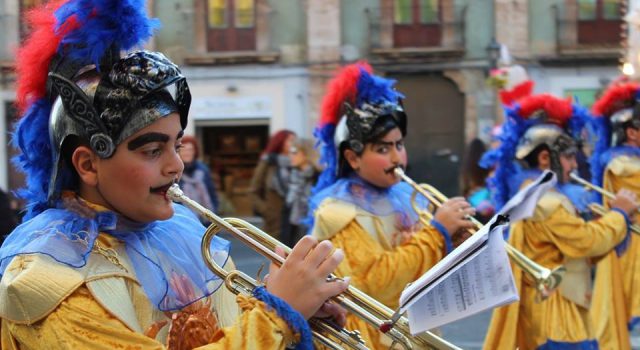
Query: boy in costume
x=615, y=165
x=361, y=206
x=103, y=258
x=537, y=134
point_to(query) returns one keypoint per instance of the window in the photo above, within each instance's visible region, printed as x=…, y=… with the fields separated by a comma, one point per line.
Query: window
x=599, y=21
x=586, y=97
x=417, y=23
x=231, y=25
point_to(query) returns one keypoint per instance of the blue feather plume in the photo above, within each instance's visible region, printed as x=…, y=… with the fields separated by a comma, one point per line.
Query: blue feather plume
x=104, y=23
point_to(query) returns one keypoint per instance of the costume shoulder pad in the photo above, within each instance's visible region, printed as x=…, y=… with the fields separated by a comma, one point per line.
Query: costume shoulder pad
x=332, y=216
x=549, y=203
x=624, y=165
x=34, y=285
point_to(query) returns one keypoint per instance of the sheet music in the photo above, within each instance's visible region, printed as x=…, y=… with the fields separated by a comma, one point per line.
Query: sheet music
x=477, y=275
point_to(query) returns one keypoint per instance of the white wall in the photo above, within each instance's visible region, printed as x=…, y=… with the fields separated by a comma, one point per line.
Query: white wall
x=285, y=88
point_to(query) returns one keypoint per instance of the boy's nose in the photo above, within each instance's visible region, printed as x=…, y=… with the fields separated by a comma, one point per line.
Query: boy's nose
x=174, y=165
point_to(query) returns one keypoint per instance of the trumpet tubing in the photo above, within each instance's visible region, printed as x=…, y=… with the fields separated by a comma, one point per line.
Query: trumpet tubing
x=353, y=300
x=546, y=280
x=600, y=210
x=575, y=177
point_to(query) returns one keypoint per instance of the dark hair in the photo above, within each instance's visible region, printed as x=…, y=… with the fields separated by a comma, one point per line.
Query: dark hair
x=276, y=142
x=531, y=160
x=194, y=142
x=472, y=175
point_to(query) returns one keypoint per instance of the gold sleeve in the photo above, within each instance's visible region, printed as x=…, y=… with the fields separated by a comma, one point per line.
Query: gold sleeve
x=383, y=274
x=80, y=322
x=577, y=238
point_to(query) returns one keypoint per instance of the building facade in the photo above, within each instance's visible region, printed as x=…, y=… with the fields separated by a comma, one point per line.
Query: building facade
x=257, y=66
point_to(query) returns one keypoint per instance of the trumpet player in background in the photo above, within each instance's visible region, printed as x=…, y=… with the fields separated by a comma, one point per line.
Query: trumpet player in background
x=615, y=165
x=104, y=259
x=359, y=204
x=537, y=134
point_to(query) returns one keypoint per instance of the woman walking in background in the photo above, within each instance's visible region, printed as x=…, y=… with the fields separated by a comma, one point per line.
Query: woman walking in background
x=270, y=183
x=196, y=181
x=304, y=173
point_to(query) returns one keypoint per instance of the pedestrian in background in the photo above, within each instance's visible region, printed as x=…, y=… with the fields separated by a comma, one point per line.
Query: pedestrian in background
x=8, y=220
x=473, y=179
x=270, y=183
x=304, y=174
x=196, y=181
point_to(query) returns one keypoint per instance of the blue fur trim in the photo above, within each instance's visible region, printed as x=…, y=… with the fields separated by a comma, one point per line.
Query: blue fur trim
x=293, y=318
x=633, y=323
x=104, y=23
x=373, y=89
x=35, y=160
x=445, y=233
x=561, y=345
x=621, y=248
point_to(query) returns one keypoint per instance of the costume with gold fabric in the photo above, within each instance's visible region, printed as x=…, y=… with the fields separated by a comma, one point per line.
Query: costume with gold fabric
x=380, y=260
x=555, y=235
x=616, y=307
x=102, y=304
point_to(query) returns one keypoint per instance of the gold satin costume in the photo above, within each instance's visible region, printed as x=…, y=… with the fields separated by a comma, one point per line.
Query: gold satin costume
x=48, y=305
x=380, y=260
x=555, y=235
x=617, y=283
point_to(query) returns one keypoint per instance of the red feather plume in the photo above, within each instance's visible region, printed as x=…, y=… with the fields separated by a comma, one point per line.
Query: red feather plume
x=33, y=58
x=558, y=110
x=615, y=98
x=342, y=88
x=522, y=90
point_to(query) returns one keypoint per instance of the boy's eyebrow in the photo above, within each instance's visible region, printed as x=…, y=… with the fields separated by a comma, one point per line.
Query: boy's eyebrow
x=387, y=143
x=147, y=138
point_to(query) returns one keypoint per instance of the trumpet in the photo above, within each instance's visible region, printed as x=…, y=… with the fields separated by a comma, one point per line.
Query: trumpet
x=597, y=208
x=546, y=280
x=353, y=300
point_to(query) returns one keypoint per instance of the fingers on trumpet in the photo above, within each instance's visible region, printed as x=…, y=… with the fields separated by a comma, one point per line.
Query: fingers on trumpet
x=454, y=214
x=626, y=201
x=302, y=280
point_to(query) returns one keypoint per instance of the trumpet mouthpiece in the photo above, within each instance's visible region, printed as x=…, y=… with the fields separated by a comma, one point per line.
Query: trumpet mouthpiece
x=174, y=193
x=398, y=171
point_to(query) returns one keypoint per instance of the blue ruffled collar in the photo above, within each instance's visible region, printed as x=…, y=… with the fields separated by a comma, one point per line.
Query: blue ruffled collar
x=159, y=251
x=375, y=200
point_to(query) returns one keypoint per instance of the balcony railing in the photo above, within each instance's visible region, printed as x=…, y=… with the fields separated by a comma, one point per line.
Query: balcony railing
x=596, y=38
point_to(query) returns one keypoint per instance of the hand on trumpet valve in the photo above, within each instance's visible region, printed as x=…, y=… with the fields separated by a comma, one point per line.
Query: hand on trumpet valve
x=302, y=280
x=454, y=213
x=626, y=201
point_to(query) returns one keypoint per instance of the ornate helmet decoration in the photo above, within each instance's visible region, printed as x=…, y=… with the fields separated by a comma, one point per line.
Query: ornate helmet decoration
x=73, y=84
x=616, y=110
x=531, y=122
x=357, y=108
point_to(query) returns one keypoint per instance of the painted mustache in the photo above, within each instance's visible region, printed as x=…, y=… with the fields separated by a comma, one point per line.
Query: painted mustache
x=163, y=188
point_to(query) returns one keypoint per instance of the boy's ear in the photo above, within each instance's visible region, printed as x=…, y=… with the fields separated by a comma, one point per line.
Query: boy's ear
x=84, y=161
x=352, y=158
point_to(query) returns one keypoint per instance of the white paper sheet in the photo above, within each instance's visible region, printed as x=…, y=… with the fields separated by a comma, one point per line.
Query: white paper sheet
x=474, y=277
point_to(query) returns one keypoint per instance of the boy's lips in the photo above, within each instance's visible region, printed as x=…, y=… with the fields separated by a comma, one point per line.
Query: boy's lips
x=161, y=190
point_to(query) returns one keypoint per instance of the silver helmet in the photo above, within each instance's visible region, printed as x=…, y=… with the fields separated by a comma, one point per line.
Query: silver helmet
x=103, y=108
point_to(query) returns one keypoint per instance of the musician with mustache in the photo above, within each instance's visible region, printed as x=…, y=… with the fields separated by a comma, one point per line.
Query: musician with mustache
x=362, y=207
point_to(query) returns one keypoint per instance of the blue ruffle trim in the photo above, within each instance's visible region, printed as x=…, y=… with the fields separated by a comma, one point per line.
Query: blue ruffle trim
x=560, y=345
x=633, y=323
x=443, y=231
x=621, y=248
x=293, y=318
